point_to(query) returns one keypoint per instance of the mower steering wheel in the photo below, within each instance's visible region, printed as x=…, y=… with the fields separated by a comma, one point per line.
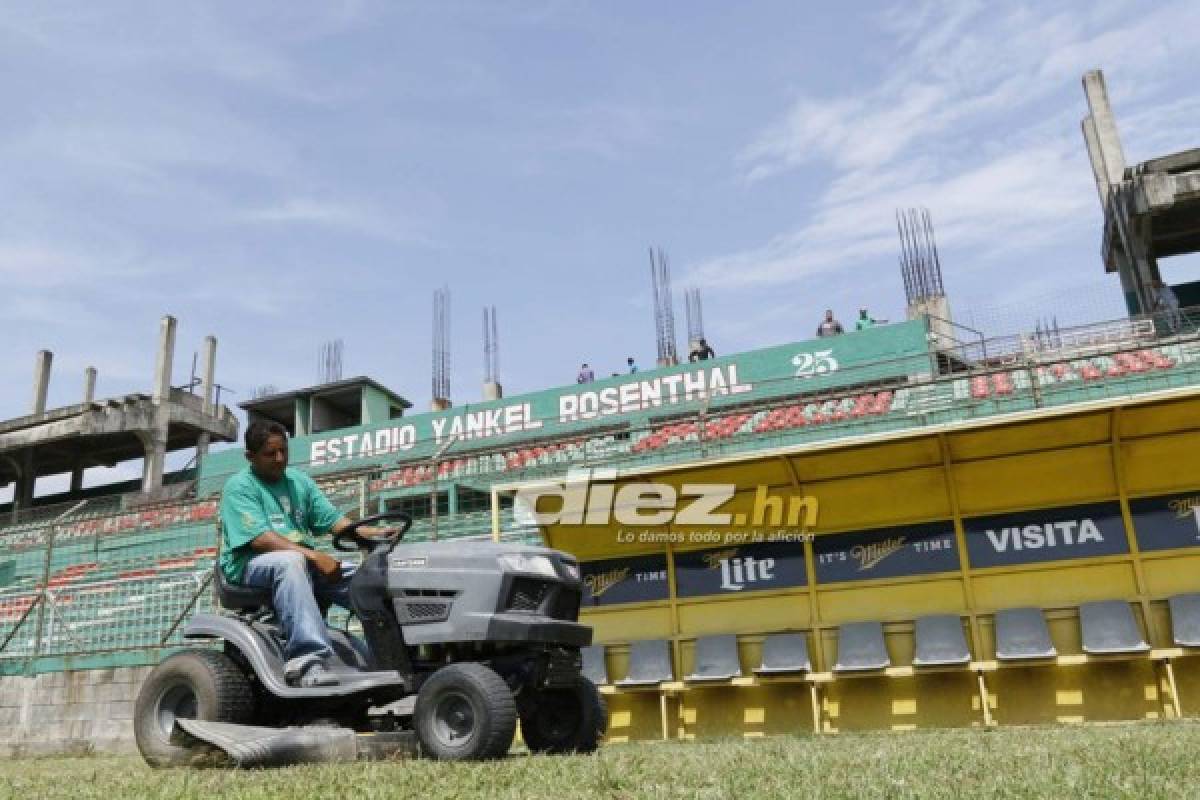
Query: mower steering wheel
x=350, y=539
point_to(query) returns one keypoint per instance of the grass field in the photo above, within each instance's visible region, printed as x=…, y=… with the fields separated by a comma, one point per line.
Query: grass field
x=1142, y=761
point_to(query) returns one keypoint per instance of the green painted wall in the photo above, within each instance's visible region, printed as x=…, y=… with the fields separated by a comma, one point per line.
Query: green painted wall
x=375, y=406
x=886, y=352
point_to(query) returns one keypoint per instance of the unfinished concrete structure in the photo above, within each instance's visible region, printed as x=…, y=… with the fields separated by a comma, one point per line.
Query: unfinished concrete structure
x=492, y=390
x=113, y=430
x=1151, y=209
x=330, y=406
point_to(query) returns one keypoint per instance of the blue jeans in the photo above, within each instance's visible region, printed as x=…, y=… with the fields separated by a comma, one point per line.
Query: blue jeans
x=297, y=591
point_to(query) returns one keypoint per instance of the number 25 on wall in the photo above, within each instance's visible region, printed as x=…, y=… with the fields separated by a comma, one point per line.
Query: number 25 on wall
x=817, y=362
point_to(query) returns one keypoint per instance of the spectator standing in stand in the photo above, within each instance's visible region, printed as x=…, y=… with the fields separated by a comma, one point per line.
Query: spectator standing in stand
x=585, y=374
x=829, y=326
x=864, y=321
x=701, y=351
x=632, y=365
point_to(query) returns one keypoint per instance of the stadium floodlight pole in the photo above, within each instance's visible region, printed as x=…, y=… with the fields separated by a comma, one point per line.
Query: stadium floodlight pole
x=433, y=489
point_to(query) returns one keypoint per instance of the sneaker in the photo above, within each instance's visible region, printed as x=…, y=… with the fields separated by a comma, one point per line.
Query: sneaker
x=307, y=672
x=318, y=675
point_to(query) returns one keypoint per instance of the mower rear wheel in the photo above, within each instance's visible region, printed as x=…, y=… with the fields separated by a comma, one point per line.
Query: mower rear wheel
x=193, y=684
x=465, y=712
x=568, y=720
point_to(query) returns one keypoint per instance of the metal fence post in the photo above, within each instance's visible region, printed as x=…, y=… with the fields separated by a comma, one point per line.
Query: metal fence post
x=1035, y=384
x=31, y=664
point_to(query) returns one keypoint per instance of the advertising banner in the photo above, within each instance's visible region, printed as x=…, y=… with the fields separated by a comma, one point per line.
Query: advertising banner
x=1167, y=522
x=886, y=552
x=740, y=569
x=1031, y=537
x=637, y=579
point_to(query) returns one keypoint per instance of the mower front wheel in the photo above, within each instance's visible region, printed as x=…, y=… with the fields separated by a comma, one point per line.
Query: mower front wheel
x=465, y=712
x=193, y=684
x=568, y=720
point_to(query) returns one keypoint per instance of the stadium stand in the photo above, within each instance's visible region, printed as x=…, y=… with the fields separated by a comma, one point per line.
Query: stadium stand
x=108, y=579
x=1107, y=630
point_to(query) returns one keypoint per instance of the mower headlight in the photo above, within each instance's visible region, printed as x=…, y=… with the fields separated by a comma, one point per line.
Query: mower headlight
x=572, y=570
x=520, y=562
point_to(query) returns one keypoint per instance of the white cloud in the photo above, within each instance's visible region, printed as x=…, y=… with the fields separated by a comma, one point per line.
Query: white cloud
x=36, y=264
x=979, y=122
x=852, y=133
x=607, y=130
x=349, y=217
x=244, y=45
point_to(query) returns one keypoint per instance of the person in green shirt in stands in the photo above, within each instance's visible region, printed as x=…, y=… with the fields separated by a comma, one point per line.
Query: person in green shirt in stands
x=269, y=515
x=864, y=321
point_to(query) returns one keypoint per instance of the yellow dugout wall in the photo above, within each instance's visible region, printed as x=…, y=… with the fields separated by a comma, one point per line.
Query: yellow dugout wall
x=930, y=514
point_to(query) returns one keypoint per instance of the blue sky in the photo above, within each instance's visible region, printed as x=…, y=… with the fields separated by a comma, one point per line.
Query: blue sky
x=279, y=174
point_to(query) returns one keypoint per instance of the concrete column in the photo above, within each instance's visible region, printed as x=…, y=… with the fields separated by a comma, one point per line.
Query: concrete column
x=154, y=441
x=1107, y=138
x=207, y=375
x=439, y=404
x=89, y=384
x=1104, y=145
x=1134, y=235
x=77, y=479
x=208, y=372
x=166, y=355
x=23, y=491
x=1129, y=287
x=89, y=394
x=1099, y=169
x=154, y=449
x=492, y=390
x=302, y=413
x=41, y=380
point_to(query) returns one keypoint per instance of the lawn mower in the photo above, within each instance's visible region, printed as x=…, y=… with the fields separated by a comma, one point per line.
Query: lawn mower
x=462, y=640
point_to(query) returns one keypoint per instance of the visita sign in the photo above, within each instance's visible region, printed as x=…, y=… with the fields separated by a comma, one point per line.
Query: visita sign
x=1029, y=537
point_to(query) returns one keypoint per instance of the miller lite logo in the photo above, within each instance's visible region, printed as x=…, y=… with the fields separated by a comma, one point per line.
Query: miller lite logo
x=737, y=571
x=868, y=555
x=1185, y=507
x=600, y=582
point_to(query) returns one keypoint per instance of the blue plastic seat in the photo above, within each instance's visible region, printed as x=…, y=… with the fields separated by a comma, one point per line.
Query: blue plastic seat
x=594, y=667
x=1185, y=619
x=940, y=641
x=861, y=648
x=716, y=659
x=1109, y=627
x=1021, y=634
x=649, y=663
x=783, y=654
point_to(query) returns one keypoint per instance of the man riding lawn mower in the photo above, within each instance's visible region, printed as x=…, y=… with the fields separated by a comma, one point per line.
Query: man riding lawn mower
x=483, y=634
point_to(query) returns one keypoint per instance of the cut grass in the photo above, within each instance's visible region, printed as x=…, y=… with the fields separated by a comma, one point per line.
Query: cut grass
x=1135, y=761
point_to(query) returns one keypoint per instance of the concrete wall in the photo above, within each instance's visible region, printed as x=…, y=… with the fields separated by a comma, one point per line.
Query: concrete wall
x=326, y=417
x=69, y=712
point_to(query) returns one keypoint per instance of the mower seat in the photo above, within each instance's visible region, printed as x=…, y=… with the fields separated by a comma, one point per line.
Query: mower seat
x=235, y=597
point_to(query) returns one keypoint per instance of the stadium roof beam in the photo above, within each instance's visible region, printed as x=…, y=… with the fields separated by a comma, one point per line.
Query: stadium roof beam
x=1151, y=210
x=109, y=431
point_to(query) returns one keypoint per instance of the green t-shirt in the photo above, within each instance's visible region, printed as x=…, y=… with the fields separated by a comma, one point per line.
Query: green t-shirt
x=293, y=507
